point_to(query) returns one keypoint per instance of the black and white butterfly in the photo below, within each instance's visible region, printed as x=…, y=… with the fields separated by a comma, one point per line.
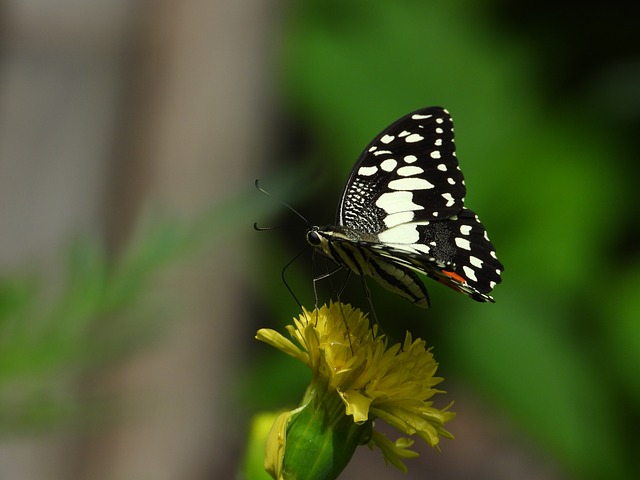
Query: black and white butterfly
x=402, y=211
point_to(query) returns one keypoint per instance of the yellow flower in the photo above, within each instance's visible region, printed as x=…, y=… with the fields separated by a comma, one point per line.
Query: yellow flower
x=352, y=362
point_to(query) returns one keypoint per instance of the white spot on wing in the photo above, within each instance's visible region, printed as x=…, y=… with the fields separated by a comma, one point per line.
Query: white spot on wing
x=398, y=218
x=442, y=167
x=394, y=202
x=470, y=273
x=381, y=152
x=435, y=154
x=406, y=233
x=413, y=138
x=367, y=171
x=463, y=243
x=449, y=199
x=475, y=261
x=403, y=133
x=417, y=116
x=410, y=158
x=387, y=139
x=412, y=184
x=465, y=229
x=388, y=165
x=421, y=248
x=409, y=170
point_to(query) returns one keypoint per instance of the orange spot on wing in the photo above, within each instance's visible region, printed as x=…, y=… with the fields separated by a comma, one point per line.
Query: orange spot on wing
x=454, y=276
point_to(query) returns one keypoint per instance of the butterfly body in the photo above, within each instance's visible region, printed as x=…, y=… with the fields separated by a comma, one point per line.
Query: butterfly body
x=402, y=211
x=361, y=256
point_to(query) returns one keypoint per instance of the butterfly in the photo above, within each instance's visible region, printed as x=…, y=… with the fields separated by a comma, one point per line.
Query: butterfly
x=402, y=211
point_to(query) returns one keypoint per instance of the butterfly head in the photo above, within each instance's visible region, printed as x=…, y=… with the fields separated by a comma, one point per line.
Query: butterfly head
x=319, y=237
x=314, y=237
x=328, y=237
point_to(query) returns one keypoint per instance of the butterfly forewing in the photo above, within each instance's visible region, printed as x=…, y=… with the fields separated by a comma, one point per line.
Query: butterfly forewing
x=409, y=172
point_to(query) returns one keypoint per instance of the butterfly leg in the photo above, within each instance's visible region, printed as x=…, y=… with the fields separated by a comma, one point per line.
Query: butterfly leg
x=338, y=295
x=367, y=293
x=322, y=277
x=316, y=279
x=284, y=280
x=344, y=318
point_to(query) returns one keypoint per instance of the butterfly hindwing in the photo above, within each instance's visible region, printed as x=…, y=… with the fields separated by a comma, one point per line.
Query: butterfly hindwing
x=456, y=252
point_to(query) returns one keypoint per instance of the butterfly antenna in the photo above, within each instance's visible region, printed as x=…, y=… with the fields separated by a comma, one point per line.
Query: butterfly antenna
x=255, y=225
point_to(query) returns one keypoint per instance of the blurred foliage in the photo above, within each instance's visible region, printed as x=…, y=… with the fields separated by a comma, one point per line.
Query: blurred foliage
x=52, y=338
x=551, y=175
x=48, y=346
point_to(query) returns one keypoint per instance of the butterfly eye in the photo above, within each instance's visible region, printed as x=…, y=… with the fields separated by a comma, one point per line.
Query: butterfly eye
x=313, y=238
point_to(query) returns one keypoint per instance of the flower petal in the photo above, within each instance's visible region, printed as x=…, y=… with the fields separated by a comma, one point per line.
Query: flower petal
x=393, y=451
x=357, y=405
x=275, y=339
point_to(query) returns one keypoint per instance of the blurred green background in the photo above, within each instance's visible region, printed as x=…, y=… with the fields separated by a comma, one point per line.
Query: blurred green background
x=546, y=103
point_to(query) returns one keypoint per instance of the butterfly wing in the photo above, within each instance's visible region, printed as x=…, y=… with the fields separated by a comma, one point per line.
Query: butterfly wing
x=408, y=173
x=456, y=252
